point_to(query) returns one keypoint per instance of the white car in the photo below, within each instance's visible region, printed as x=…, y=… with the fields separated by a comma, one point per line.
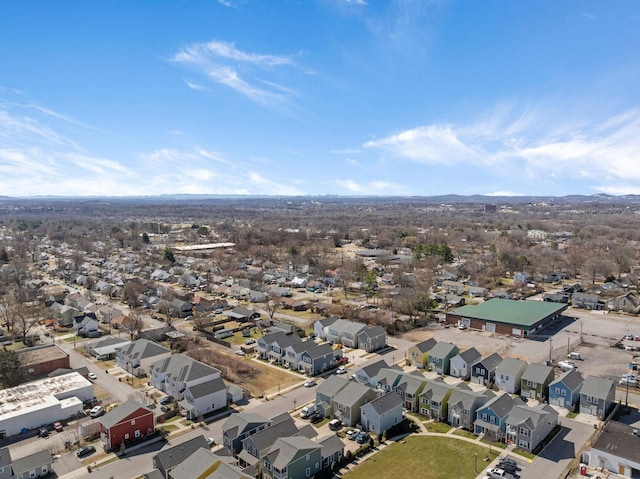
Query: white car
x=353, y=433
x=210, y=441
x=309, y=383
x=96, y=411
x=92, y=376
x=499, y=474
x=629, y=336
x=341, y=370
x=240, y=352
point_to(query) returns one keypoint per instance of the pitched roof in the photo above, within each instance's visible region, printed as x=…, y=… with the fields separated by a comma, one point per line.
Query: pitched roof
x=286, y=449
x=168, y=458
x=372, y=332
x=183, y=369
x=319, y=351
x=31, y=462
x=491, y=362
x=572, y=379
x=372, y=369
x=597, y=387
x=267, y=437
x=467, y=397
x=121, y=412
x=426, y=345
x=533, y=415
x=142, y=349
x=207, y=387
x=330, y=445
x=331, y=386
x=470, y=355
x=385, y=403
x=236, y=424
x=537, y=373
x=501, y=405
x=510, y=366
x=442, y=349
x=352, y=393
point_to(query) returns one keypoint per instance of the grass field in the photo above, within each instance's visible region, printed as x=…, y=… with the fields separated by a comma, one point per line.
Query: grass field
x=426, y=458
x=268, y=382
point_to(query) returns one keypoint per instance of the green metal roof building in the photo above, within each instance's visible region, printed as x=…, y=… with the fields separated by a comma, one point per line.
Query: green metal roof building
x=505, y=316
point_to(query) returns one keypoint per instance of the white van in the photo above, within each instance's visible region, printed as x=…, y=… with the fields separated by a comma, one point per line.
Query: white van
x=96, y=411
x=335, y=424
x=574, y=355
x=307, y=411
x=567, y=366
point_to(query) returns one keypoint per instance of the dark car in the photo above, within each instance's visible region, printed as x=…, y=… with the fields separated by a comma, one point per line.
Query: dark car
x=85, y=451
x=362, y=438
x=43, y=432
x=166, y=400
x=508, y=465
x=165, y=408
x=315, y=418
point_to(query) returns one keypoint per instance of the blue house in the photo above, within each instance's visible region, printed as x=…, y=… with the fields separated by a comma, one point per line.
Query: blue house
x=491, y=418
x=564, y=391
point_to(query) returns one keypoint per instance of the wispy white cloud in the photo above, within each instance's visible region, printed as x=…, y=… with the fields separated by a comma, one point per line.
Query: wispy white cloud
x=244, y=72
x=346, y=151
x=371, y=188
x=535, y=143
x=355, y=2
x=194, y=86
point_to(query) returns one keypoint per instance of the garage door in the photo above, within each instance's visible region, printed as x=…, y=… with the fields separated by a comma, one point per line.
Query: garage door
x=490, y=327
x=556, y=402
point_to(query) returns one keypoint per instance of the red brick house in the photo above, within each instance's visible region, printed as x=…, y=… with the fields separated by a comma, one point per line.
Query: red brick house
x=128, y=422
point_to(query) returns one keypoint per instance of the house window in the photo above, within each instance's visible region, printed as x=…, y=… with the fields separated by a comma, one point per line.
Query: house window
x=45, y=469
x=591, y=399
x=33, y=474
x=308, y=471
x=557, y=391
x=479, y=372
x=307, y=457
x=523, y=445
x=524, y=431
x=126, y=437
x=563, y=392
x=137, y=433
x=531, y=384
x=133, y=422
x=484, y=416
x=492, y=419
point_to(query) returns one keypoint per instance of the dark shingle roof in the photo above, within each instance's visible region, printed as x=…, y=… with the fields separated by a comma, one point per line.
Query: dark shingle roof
x=168, y=458
x=116, y=415
x=207, y=387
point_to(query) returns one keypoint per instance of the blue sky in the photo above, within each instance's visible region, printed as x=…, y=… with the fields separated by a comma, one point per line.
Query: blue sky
x=308, y=97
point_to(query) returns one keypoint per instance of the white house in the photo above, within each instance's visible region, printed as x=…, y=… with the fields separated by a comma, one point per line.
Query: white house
x=382, y=413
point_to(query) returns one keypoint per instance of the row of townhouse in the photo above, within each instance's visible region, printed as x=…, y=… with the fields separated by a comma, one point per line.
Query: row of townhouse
x=278, y=447
x=292, y=352
x=350, y=334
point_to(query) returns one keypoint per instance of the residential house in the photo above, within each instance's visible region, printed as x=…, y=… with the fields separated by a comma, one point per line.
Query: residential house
x=509, y=374
x=463, y=405
x=477, y=291
x=372, y=339
x=382, y=413
x=460, y=364
x=319, y=359
x=418, y=354
x=128, y=422
x=205, y=464
x=535, y=381
x=628, y=303
x=408, y=387
x=367, y=374
x=137, y=357
x=332, y=450
x=294, y=352
x=292, y=458
x=617, y=449
x=37, y=464
x=453, y=287
x=167, y=459
x=522, y=278
x=263, y=345
x=326, y=393
x=564, y=391
x=347, y=402
x=440, y=356
x=597, y=396
x=491, y=417
x=104, y=349
x=279, y=347
x=587, y=301
x=349, y=333
x=528, y=426
x=177, y=376
x=434, y=399
x=484, y=371
x=321, y=327
x=387, y=378
x=240, y=426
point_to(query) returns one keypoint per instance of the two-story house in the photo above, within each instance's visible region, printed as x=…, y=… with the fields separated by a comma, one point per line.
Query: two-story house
x=347, y=402
x=367, y=374
x=564, y=391
x=464, y=403
x=528, y=426
x=279, y=347
x=434, y=399
x=440, y=356
x=321, y=327
x=483, y=371
x=318, y=360
x=408, y=387
x=382, y=413
x=418, y=354
x=597, y=396
x=240, y=426
x=293, y=353
x=509, y=374
x=292, y=458
x=372, y=339
x=326, y=392
x=491, y=418
x=460, y=364
x=128, y=422
x=136, y=357
x=263, y=345
x=535, y=381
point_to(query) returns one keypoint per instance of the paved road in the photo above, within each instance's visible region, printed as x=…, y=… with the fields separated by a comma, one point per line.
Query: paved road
x=553, y=460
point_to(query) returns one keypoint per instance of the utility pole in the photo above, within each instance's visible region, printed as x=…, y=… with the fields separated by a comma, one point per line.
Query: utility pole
x=550, y=349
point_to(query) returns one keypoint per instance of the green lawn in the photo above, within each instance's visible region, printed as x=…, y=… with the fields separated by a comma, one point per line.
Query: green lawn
x=463, y=433
x=426, y=458
x=433, y=426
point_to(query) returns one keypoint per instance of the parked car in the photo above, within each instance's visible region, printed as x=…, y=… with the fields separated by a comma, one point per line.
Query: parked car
x=210, y=441
x=240, y=352
x=85, y=451
x=353, y=433
x=315, y=418
x=166, y=400
x=43, y=432
x=363, y=437
x=165, y=408
x=96, y=411
x=249, y=341
x=567, y=366
x=335, y=424
x=57, y=426
x=341, y=370
x=498, y=473
x=92, y=376
x=508, y=465
x=628, y=380
x=342, y=360
x=309, y=383
x=629, y=336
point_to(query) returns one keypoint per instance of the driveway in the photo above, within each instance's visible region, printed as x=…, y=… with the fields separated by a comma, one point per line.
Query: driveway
x=564, y=447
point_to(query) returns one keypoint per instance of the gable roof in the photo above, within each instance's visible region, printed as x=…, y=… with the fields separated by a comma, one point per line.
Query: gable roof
x=470, y=356
x=537, y=373
x=267, y=437
x=597, y=387
x=331, y=386
x=183, y=369
x=171, y=457
x=143, y=349
x=31, y=462
x=236, y=424
x=122, y=412
x=510, y=366
x=426, y=345
x=501, y=405
x=385, y=403
x=319, y=351
x=207, y=387
x=571, y=379
x=442, y=349
x=352, y=392
x=466, y=397
x=522, y=414
x=372, y=369
x=372, y=332
x=286, y=449
x=491, y=362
